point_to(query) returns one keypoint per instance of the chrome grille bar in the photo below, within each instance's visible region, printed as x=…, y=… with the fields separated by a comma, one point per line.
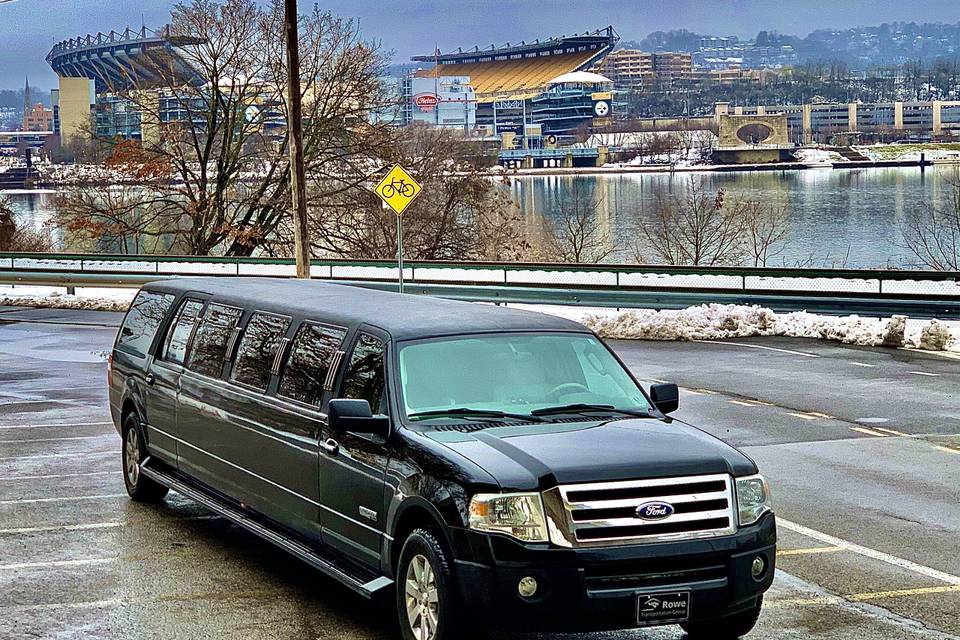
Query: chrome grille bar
x=605, y=513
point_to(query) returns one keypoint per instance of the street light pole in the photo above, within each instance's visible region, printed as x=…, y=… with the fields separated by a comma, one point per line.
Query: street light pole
x=298, y=193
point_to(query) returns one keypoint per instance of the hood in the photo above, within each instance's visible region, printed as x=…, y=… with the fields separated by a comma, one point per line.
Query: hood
x=539, y=456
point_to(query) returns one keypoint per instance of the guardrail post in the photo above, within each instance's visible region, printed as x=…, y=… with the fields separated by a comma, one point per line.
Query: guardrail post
x=743, y=282
x=880, y=282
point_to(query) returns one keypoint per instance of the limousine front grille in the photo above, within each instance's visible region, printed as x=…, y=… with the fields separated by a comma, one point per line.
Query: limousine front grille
x=647, y=573
x=607, y=513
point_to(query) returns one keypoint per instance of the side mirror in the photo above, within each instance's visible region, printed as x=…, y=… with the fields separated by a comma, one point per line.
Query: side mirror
x=665, y=397
x=355, y=416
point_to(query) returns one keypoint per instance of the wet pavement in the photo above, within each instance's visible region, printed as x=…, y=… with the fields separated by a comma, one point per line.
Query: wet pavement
x=861, y=446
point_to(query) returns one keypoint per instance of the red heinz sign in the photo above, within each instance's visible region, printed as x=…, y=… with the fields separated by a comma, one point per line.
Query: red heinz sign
x=426, y=101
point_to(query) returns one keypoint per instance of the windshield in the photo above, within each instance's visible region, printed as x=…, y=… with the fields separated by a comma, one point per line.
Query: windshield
x=512, y=373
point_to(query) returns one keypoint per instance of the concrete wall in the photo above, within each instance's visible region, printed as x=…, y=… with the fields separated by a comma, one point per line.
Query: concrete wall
x=76, y=96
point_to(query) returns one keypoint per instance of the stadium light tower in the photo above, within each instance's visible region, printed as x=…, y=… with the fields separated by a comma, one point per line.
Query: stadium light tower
x=298, y=192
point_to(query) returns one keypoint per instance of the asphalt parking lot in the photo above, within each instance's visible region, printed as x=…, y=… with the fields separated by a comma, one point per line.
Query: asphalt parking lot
x=862, y=447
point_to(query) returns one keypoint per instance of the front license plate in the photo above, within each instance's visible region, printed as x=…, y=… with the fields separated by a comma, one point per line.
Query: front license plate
x=663, y=608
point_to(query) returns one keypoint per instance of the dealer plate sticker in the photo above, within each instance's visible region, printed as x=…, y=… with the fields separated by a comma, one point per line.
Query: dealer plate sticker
x=663, y=608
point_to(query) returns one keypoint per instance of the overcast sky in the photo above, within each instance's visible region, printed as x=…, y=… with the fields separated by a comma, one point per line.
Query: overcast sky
x=28, y=28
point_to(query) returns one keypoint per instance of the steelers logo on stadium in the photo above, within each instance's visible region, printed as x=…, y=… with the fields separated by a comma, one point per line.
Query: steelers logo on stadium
x=602, y=108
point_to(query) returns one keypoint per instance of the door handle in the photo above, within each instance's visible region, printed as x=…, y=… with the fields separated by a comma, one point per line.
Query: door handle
x=149, y=379
x=331, y=446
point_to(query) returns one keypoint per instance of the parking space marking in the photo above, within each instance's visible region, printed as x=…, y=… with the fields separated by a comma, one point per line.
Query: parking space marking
x=869, y=432
x=930, y=572
x=63, y=499
x=56, y=563
x=66, y=527
x=878, y=595
x=28, y=441
x=893, y=432
x=804, y=416
x=95, y=604
x=56, y=476
x=812, y=550
x=85, y=454
x=758, y=346
x=743, y=403
x=862, y=364
x=54, y=426
x=947, y=449
x=924, y=373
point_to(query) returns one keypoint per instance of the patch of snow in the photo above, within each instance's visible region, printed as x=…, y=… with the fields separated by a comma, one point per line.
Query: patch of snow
x=817, y=156
x=53, y=298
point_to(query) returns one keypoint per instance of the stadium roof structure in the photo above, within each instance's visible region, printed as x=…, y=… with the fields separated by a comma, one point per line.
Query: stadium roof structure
x=523, y=70
x=122, y=58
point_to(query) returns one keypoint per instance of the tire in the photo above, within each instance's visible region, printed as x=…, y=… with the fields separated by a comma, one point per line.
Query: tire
x=727, y=628
x=436, y=599
x=139, y=487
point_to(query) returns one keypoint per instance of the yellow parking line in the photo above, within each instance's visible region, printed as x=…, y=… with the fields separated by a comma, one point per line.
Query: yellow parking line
x=742, y=403
x=869, y=432
x=801, y=552
x=947, y=449
x=892, y=432
x=804, y=416
x=817, y=414
x=860, y=597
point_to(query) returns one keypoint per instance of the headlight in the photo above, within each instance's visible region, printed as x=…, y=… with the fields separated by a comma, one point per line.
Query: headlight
x=753, y=498
x=516, y=514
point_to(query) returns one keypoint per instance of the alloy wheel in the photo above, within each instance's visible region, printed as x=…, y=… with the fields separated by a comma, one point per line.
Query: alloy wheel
x=422, y=598
x=132, y=455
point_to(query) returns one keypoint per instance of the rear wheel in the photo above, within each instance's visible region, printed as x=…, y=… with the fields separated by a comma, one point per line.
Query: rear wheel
x=727, y=628
x=428, y=600
x=139, y=487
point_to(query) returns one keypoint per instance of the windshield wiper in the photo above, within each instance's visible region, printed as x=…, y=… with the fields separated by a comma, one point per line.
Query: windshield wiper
x=590, y=408
x=467, y=412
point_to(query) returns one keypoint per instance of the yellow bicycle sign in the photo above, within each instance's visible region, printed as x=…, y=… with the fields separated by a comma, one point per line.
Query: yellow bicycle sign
x=398, y=189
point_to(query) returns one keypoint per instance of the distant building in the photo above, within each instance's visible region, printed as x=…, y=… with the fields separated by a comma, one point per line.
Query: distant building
x=38, y=118
x=633, y=69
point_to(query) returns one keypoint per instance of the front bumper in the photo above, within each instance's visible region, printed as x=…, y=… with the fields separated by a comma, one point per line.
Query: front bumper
x=598, y=588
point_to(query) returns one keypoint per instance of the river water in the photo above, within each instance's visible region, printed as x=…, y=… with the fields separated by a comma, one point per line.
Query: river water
x=838, y=217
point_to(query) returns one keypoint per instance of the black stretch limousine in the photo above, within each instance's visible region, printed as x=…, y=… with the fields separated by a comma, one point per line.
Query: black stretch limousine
x=492, y=467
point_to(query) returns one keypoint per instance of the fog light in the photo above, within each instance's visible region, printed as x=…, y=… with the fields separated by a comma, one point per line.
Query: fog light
x=758, y=568
x=527, y=587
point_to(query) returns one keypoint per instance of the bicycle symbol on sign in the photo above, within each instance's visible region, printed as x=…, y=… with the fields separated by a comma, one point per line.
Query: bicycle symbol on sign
x=398, y=185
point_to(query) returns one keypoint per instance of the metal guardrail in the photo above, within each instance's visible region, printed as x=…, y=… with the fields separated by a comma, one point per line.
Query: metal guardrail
x=832, y=291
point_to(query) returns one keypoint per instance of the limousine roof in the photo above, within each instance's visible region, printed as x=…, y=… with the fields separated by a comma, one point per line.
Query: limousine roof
x=403, y=316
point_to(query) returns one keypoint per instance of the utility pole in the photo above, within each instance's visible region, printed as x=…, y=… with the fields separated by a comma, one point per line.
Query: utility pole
x=298, y=193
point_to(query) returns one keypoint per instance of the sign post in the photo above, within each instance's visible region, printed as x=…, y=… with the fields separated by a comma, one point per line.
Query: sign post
x=398, y=190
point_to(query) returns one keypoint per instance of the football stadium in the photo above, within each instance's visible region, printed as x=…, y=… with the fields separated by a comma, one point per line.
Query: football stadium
x=541, y=91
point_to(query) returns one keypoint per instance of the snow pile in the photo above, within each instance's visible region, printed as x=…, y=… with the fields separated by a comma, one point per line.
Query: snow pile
x=57, y=300
x=719, y=321
x=817, y=156
x=936, y=336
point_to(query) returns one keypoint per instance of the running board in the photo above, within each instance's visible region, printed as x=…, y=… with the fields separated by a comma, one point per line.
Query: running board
x=303, y=552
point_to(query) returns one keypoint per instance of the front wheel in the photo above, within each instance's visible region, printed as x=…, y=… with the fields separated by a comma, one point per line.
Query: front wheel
x=139, y=487
x=428, y=600
x=727, y=628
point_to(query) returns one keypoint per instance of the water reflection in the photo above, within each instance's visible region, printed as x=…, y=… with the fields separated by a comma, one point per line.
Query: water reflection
x=850, y=215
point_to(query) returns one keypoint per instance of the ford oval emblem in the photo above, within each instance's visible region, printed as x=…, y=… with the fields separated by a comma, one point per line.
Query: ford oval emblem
x=654, y=510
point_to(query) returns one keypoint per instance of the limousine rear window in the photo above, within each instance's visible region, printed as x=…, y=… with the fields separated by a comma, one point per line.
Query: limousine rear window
x=140, y=324
x=209, y=348
x=310, y=356
x=178, y=336
x=258, y=349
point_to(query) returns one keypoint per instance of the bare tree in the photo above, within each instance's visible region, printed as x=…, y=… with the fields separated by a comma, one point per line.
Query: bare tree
x=14, y=238
x=575, y=232
x=932, y=231
x=213, y=122
x=766, y=225
x=461, y=214
x=694, y=227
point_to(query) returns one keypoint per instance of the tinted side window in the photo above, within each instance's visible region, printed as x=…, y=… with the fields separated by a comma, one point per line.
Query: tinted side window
x=179, y=335
x=140, y=324
x=209, y=348
x=310, y=356
x=364, y=377
x=258, y=348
